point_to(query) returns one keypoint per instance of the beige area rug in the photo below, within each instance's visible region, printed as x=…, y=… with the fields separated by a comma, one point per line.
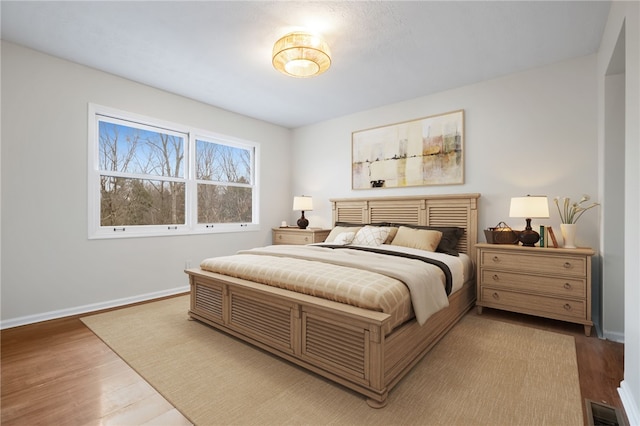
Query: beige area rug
x=483, y=372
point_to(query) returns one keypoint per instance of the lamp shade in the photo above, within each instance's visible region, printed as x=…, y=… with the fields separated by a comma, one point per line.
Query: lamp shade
x=531, y=206
x=302, y=203
x=301, y=54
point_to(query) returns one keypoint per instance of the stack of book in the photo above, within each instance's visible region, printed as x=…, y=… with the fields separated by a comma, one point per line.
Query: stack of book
x=547, y=237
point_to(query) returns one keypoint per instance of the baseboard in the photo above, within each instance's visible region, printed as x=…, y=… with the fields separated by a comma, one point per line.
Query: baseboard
x=628, y=402
x=31, y=319
x=614, y=336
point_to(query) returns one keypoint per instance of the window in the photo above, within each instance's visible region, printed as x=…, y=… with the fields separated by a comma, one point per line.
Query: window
x=148, y=178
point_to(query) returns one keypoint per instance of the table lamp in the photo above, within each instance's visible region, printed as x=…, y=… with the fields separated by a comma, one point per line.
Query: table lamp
x=302, y=203
x=531, y=206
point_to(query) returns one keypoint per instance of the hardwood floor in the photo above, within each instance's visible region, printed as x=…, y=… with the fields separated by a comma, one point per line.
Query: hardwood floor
x=59, y=372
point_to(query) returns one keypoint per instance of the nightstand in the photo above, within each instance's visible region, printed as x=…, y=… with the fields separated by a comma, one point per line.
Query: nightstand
x=546, y=282
x=294, y=235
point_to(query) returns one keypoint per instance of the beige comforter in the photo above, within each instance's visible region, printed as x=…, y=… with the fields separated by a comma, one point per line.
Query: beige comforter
x=375, y=281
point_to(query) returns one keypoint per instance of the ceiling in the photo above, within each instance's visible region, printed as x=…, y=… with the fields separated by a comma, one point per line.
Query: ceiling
x=219, y=52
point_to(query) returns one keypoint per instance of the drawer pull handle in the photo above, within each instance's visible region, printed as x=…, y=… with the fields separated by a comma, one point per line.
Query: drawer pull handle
x=280, y=236
x=496, y=296
x=496, y=259
x=496, y=277
x=567, y=307
x=567, y=265
x=306, y=238
x=567, y=286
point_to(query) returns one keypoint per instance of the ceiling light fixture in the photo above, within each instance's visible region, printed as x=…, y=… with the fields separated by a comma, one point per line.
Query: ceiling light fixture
x=300, y=54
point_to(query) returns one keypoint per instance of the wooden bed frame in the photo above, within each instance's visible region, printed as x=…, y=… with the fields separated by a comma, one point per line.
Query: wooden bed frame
x=337, y=341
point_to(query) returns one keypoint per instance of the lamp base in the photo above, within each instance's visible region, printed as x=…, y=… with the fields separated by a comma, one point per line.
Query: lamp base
x=529, y=237
x=302, y=222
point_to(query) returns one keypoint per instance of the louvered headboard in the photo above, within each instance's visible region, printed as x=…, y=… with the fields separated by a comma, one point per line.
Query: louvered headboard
x=459, y=210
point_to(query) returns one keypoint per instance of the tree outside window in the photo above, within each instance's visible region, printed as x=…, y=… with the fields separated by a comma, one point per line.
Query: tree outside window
x=143, y=181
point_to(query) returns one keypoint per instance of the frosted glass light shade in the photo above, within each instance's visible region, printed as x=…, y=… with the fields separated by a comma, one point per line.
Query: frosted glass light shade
x=302, y=203
x=301, y=54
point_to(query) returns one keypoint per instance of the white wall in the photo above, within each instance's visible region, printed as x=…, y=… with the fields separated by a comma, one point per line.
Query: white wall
x=49, y=267
x=627, y=15
x=612, y=220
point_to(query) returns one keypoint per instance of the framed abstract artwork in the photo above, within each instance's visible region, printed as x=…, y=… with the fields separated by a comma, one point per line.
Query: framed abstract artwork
x=426, y=151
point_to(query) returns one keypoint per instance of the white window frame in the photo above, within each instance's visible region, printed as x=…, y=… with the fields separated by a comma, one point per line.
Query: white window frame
x=191, y=225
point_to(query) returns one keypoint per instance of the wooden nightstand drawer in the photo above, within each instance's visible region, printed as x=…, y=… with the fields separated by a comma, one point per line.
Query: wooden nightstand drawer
x=565, y=287
x=536, y=263
x=289, y=238
x=553, y=307
x=299, y=236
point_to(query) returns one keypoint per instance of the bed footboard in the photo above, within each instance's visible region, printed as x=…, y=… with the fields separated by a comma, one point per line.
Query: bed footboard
x=340, y=342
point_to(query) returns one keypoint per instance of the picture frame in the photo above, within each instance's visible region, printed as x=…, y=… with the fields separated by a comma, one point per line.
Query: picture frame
x=425, y=151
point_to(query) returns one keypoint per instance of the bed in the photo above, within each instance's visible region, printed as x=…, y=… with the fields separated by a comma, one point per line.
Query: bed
x=352, y=346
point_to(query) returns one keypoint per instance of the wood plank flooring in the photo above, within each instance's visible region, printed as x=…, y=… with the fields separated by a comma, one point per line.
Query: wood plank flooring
x=58, y=372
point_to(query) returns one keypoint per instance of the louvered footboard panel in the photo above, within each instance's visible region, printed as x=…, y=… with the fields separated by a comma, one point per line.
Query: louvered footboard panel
x=338, y=347
x=269, y=323
x=208, y=301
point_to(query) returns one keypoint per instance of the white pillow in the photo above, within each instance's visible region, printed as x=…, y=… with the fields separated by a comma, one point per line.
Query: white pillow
x=344, y=238
x=339, y=230
x=371, y=236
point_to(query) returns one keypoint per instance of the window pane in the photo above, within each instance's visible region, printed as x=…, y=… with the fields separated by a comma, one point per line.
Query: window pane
x=224, y=204
x=125, y=201
x=141, y=151
x=222, y=163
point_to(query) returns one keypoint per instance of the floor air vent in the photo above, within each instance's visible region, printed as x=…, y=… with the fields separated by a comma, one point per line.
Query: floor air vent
x=599, y=414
